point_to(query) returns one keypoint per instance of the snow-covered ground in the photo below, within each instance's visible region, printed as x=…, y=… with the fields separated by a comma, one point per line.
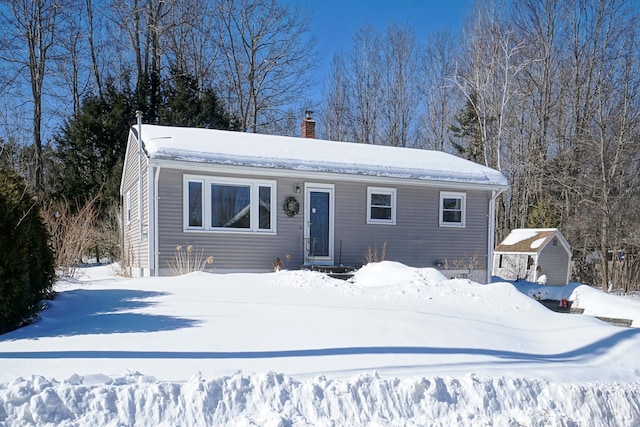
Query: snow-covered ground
x=396, y=346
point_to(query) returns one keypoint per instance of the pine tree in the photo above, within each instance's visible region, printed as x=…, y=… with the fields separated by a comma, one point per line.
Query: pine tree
x=185, y=104
x=91, y=146
x=468, y=130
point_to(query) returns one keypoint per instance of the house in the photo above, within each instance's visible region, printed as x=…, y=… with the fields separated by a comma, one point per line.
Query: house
x=250, y=200
x=534, y=254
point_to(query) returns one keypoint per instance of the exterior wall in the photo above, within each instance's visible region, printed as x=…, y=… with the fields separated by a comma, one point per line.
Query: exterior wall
x=231, y=251
x=514, y=266
x=136, y=250
x=416, y=239
x=554, y=261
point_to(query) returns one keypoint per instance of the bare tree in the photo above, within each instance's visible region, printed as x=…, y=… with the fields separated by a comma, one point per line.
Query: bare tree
x=337, y=114
x=440, y=95
x=70, y=64
x=487, y=79
x=146, y=24
x=267, y=54
x=399, y=76
x=192, y=44
x=92, y=47
x=536, y=116
x=606, y=96
x=29, y=37
x=487, y=76
x=366, y=84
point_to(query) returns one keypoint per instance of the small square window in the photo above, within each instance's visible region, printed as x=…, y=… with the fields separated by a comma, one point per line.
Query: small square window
x=381, y=205
x=452, y=209
x=128, y=207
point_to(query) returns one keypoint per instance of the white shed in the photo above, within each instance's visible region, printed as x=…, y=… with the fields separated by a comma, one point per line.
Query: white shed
x=540, y=255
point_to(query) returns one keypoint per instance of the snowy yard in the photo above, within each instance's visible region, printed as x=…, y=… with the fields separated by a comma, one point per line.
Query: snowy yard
x=397, y=346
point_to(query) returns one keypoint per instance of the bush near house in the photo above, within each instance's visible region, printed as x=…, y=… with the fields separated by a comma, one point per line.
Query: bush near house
x=26, y=259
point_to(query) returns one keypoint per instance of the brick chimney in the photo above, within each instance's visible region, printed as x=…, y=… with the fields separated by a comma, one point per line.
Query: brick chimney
x=308, y=128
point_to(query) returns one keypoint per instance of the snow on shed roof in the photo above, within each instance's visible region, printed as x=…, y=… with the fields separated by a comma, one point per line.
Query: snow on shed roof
x=304, y=154
x=529, y=240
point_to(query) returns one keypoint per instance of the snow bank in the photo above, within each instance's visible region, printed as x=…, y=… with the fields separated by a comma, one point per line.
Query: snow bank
x=395, y=346
x=390, y=273
x=271, y=399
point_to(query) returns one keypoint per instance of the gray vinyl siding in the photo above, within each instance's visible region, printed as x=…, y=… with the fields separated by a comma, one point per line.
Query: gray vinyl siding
x=554, y=261
x=415, y=240
x=135, y=248
x=231, y=251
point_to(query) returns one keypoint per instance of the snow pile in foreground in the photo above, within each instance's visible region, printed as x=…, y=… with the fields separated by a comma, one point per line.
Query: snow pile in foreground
x=395, y=346
x=270, y=399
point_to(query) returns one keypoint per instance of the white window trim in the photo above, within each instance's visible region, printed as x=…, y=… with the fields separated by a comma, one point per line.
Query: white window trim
x=381, y=190
x=463, y=208
x=207, y=181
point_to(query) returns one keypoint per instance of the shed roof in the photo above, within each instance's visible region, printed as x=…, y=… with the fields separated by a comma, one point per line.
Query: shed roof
x=304, y=154
x=531, y=240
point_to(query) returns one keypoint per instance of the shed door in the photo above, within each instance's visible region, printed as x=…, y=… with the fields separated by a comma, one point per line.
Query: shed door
x=319, y=224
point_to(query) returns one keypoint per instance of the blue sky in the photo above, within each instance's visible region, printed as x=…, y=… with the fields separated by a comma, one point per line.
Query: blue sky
x=334, y=22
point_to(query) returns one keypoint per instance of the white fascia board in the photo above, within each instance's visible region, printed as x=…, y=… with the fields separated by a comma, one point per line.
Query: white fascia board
x=311, y=175
x=561, y=239
x=514, y=253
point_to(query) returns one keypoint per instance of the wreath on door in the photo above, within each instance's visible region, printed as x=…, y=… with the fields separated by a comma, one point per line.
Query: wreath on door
x=291, y=207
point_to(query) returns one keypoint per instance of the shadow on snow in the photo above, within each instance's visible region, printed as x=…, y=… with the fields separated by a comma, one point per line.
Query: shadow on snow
x=99, y=311
x=583, y=353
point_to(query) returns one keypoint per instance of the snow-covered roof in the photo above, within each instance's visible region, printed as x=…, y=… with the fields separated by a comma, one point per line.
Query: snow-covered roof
x=304, y=154
x=530, y=240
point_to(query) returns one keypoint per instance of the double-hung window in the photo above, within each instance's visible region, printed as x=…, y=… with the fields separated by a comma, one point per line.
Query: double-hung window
x=452, y=209
x=228, y=204
x=381, y=205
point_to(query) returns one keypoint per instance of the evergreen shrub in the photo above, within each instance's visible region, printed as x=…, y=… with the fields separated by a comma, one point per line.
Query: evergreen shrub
x=27, y=270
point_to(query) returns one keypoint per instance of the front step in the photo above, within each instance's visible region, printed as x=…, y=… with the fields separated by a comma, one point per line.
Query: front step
x=336, y=271
x=559, y=307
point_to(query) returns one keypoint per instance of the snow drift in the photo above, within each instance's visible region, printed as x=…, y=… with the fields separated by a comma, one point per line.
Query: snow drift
x=397, y=346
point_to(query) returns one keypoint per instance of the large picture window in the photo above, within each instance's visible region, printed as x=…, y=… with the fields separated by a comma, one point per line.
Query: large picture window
x=225, y=204
x=230, y=206
x=381, y=205
x=452, y=209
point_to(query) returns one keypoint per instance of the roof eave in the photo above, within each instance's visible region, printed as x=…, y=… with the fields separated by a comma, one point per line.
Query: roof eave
x=171, y=163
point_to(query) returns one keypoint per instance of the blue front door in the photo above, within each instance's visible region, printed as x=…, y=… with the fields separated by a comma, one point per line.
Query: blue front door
x=319, y=219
